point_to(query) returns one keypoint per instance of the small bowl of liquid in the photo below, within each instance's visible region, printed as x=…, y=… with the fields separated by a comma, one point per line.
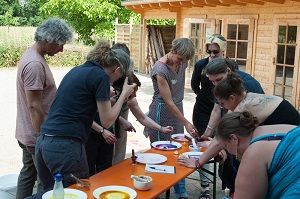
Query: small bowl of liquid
x=143, y=185
x=194, y=149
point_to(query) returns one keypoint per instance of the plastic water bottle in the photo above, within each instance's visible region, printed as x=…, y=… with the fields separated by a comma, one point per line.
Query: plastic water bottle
x=58, y=189
x=227, y=192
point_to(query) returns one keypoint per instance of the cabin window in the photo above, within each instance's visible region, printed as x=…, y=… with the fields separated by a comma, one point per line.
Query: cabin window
x=198, y=34
x=285, y=61
x=237, y=43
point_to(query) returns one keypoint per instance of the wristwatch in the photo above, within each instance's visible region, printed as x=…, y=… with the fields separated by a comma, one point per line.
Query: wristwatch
x=101, y=130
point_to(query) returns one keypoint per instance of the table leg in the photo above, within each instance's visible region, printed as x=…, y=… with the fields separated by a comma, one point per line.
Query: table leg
x=168, y=194
x=215, y=180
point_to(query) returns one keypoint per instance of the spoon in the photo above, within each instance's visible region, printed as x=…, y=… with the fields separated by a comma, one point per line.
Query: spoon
x=77, y=179
x=139, y=178
x=194, y=143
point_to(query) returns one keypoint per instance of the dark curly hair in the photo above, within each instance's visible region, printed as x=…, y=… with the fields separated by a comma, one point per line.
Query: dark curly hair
x=231, y=85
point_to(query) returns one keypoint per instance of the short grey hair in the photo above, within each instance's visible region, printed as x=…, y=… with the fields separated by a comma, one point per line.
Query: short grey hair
x=183, y=46
x=54, y=30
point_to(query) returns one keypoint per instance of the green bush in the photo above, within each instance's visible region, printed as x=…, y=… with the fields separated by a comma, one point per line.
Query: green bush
x=67, y=58
x=10, y=55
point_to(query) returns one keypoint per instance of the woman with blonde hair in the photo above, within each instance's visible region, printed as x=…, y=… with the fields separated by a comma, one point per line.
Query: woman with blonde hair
x=84, y=90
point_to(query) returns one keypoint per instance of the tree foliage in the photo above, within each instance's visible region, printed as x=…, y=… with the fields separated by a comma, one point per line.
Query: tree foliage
x=20, y=13
x=90, y=18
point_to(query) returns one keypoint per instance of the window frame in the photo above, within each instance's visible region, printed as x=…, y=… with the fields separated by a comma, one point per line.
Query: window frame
x=286, y=20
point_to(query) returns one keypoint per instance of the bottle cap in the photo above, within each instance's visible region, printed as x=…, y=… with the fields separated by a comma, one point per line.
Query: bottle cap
x=227, y=191
x=58, y=177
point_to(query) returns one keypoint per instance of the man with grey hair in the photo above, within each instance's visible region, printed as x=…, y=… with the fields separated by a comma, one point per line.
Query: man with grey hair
x=35, y=92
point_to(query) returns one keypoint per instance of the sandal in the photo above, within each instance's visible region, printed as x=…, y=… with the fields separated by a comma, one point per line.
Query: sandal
x=205, y=194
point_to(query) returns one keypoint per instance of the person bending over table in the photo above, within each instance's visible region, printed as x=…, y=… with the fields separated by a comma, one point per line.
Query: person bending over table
x=216, y=70
x=99, y=148
x=231, y=95
x=84, y=90
x=208, y=72
x=270, y=156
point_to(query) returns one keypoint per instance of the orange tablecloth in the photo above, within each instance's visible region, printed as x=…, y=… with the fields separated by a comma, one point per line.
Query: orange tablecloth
x=120, y=174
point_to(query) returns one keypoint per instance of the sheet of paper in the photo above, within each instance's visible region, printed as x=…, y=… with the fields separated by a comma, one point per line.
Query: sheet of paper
x=154, y=168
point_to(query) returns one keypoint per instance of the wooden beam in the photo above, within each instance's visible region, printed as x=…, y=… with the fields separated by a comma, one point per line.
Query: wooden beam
x=137, y=6
x=235, y=2
x=145, y=6
x=251, y=1
x=154, y=5
x=164, y=5
x=200, y=3
x=273, y=1
x=215, y=2
x=129, y=7
x=175, y=4
x=187, y=4
x=174, y=9
x=295, y=0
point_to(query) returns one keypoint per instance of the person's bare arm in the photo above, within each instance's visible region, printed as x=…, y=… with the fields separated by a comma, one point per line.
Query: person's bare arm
x=211, y=151
x=145, y=120
x=165, y=92
x=108, y=114
x=214, y=119
x=34, y=105
x=108, y=136
x=252, y=178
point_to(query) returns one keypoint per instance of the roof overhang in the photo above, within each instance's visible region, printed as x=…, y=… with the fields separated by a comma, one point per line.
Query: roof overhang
x=142, y=5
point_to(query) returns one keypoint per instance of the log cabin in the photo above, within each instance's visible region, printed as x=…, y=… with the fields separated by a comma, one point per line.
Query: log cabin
x=263, y=35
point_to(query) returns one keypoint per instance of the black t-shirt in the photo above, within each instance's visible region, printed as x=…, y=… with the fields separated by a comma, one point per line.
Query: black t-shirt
x=74, y=106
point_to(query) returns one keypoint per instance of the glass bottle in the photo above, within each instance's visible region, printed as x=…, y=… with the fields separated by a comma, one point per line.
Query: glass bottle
x=58, y=189
x=227, y=192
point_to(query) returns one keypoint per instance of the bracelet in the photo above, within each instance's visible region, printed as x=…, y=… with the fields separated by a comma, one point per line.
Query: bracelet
x=101, y=130
x=197, y=165
x=160, y=129
x=209, y=127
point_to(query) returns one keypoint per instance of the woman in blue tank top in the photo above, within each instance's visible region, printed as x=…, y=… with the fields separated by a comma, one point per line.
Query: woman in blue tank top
x=269, y=155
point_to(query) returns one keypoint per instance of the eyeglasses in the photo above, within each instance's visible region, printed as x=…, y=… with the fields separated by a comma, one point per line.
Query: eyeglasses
x=213, y=51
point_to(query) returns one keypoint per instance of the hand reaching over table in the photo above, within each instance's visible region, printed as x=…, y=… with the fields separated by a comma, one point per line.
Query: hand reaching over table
x=166, y=129
x=188, y=162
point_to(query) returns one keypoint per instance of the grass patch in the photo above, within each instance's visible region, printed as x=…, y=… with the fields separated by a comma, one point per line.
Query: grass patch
x=15, y=40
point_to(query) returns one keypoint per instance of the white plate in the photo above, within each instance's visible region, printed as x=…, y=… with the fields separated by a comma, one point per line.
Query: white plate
x=128, y=190
x=180, y=137
x=78, y=193
x=151, y=158
x=166, y=145
x=192, y=154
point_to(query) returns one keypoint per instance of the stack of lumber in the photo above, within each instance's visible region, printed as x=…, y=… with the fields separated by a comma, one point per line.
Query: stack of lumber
x=154, y=48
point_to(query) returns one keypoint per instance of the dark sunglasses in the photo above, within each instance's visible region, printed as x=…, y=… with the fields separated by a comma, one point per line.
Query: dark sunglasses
x=212, y=51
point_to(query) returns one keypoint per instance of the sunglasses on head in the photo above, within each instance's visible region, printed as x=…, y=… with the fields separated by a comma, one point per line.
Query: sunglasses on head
x=213, y=51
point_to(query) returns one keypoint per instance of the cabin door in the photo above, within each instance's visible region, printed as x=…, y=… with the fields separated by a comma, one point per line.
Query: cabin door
x=197, y=30
x=286, y=40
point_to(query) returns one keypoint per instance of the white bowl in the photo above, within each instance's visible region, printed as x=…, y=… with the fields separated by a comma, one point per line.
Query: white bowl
x=192, y=148
x=143, y=186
